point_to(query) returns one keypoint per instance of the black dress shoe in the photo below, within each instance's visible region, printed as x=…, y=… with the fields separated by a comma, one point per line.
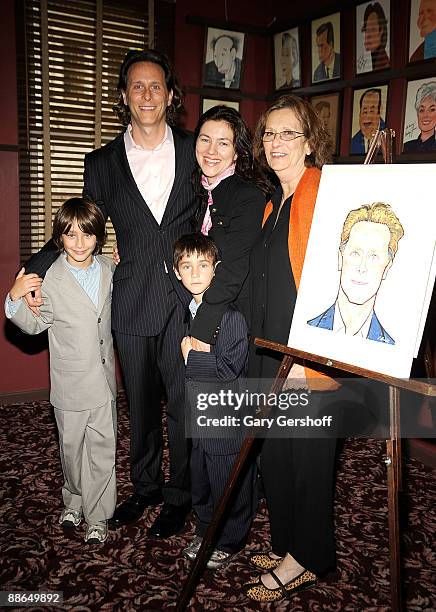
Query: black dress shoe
x=170, y=521
x=133, y=508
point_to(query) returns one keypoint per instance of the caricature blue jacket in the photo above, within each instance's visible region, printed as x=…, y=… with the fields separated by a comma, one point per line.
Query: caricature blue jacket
x=376, y=331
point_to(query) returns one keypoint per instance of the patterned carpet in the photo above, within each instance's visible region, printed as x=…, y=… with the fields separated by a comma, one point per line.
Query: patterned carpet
x=132, y=572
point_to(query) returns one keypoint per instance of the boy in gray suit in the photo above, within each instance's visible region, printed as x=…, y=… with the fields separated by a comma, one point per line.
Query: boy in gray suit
x=195, y=258
x=77, y=313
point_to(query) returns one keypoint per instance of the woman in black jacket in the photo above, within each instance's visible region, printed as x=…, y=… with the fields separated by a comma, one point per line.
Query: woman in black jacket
x=230, y=211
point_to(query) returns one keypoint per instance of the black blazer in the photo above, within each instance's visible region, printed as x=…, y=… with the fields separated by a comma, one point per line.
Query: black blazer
x=236, y=213
x=141, y=283
x=220, y=369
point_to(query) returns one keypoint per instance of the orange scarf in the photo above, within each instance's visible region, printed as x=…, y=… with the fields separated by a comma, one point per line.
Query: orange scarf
x=300, y=220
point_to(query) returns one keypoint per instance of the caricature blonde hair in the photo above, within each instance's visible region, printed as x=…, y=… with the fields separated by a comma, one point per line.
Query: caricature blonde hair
x=378, y=212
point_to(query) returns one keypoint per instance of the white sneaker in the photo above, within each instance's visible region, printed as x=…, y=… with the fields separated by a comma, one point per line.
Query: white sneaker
x=219, y=558
x=70, y=517
x=96, y=534
x=191, y=551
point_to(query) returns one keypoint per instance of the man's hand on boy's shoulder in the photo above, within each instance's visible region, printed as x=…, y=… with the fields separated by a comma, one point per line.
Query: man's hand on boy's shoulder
x=115, y=255
x=24, y=284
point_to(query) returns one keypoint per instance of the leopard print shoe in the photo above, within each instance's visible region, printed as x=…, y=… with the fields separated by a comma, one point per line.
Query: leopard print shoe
x=263, y=561
x=257, y=591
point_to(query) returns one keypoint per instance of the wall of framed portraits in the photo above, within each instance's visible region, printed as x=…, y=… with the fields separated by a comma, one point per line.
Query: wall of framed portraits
x=218, y=60
x=364, y=65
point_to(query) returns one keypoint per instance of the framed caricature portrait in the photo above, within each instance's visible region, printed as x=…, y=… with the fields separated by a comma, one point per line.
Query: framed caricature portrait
x=208, y=103
x=326, y=48
x=369, y=115
x=287, y=66
x=327, y=106
x=422, y=30
x=420, y=117
x=373, y=36
x=364, y=298
x=223, y=58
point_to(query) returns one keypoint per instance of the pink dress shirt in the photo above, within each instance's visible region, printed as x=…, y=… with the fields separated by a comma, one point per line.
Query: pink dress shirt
x=153, y=170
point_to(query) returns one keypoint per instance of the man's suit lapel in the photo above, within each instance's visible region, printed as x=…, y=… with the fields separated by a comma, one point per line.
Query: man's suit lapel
x=122, y=166
x=181, y=169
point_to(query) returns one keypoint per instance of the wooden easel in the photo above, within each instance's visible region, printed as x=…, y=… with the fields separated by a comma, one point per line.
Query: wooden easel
x=382, y=139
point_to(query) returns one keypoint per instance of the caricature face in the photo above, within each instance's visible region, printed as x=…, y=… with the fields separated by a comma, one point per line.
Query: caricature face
x=286, y=59
x=224, y=54
x=294, y=52
x=427, y=116
x=325, y=50
x=373, y=33
x=324, y=114
x=369, y=116
x=426, y=17
x=364, y=261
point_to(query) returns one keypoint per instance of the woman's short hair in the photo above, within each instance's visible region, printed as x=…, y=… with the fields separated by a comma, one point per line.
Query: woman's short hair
x=426, y=90
x=317, y=137
x=89, y=219
x=155, y=57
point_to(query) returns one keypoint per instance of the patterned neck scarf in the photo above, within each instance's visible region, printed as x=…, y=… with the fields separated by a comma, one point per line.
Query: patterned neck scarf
x=207, y=221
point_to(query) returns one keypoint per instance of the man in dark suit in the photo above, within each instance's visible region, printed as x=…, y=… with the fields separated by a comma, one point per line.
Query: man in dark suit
x=142, y=181
x=330, y=61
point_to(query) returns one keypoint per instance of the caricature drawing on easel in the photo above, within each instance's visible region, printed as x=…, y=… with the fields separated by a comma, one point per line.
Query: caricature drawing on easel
x=368, y=245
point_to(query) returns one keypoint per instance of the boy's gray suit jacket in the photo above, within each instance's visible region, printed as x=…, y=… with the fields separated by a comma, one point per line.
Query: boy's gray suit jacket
x=82, y=366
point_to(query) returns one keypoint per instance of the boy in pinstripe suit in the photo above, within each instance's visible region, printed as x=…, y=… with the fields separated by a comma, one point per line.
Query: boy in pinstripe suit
x=195, y=258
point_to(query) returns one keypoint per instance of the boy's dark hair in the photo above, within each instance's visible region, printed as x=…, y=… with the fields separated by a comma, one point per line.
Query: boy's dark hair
x=194, y=243
x=89, y=219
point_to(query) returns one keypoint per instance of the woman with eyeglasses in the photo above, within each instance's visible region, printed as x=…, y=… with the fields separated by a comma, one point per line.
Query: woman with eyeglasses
x=291, y=141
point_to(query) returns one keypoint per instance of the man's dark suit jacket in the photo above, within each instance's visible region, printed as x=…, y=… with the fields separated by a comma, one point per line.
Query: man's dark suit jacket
x=141, y=283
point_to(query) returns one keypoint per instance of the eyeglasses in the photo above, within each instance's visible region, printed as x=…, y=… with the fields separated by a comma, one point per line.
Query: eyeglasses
x=285, y=135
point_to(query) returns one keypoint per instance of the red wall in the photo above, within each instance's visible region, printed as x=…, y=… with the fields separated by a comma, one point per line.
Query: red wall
x=19, y=371
x=256, y=78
